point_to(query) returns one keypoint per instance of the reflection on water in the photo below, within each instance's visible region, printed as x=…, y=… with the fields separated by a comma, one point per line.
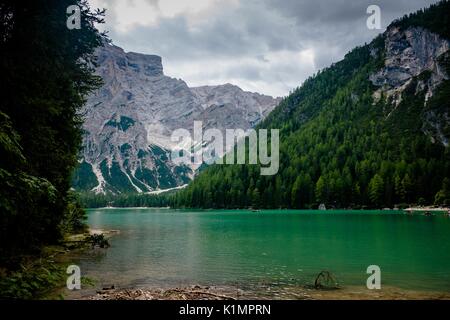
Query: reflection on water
x=276, y=249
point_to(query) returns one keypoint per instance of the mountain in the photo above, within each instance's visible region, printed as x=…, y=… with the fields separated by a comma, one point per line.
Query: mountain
x=369, y=131
x=129, y=120
x=246, y=107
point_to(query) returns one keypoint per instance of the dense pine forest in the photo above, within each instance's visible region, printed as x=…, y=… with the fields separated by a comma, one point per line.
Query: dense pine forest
x=340, y=147
x=46, y=71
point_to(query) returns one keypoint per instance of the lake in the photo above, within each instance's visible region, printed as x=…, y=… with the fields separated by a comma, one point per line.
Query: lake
x=271, y=249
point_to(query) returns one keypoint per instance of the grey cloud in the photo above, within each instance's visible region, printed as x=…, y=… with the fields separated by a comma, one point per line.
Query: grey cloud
x=342, y=11
x=255, y=30
x=250, y=30
x=335, y=27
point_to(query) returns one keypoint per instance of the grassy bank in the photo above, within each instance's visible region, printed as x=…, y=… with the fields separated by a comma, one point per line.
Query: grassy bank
x=40, y=276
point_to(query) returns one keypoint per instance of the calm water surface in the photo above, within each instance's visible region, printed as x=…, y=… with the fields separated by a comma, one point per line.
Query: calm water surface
x=166, y=248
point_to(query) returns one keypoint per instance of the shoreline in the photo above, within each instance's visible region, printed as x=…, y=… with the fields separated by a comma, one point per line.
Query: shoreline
x=429, y=208
x=196, y=292
x=103, y=208
x=444, y=210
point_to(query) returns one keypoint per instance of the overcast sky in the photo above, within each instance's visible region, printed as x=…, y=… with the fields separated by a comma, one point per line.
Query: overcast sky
x=265, y=46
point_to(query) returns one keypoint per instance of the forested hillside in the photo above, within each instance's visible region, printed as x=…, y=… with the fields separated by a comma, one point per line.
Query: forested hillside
x=355, y=134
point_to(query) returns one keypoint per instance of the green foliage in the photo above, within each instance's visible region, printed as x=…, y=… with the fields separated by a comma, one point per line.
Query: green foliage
x=443, y=196
x=117, y=179
x=376, y=190
x=98, y=240
x=436, y=18
x=439, y=106
x=166, y=177
x=90, y=200
x=26, y=201
x=84, y=177
x=147, y=176
x=47, y=70
x=31, y=281
x=157, y=151
x=123, y=124
x=75, y=216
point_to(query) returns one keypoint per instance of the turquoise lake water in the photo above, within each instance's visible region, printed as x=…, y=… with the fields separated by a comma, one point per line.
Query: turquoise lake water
x=167, y=248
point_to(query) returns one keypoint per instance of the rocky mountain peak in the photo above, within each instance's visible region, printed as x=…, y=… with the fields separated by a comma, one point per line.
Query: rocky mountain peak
x=129, y=121
x=147, y=65
x=410, y=53
x=414, y=62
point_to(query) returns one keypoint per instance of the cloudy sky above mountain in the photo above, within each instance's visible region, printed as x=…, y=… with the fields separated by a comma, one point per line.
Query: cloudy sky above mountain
x=266, y=46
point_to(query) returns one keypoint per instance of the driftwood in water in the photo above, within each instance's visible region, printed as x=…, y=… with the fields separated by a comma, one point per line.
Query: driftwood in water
x=325, y=280
x=194, y=293
x=198, y=292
